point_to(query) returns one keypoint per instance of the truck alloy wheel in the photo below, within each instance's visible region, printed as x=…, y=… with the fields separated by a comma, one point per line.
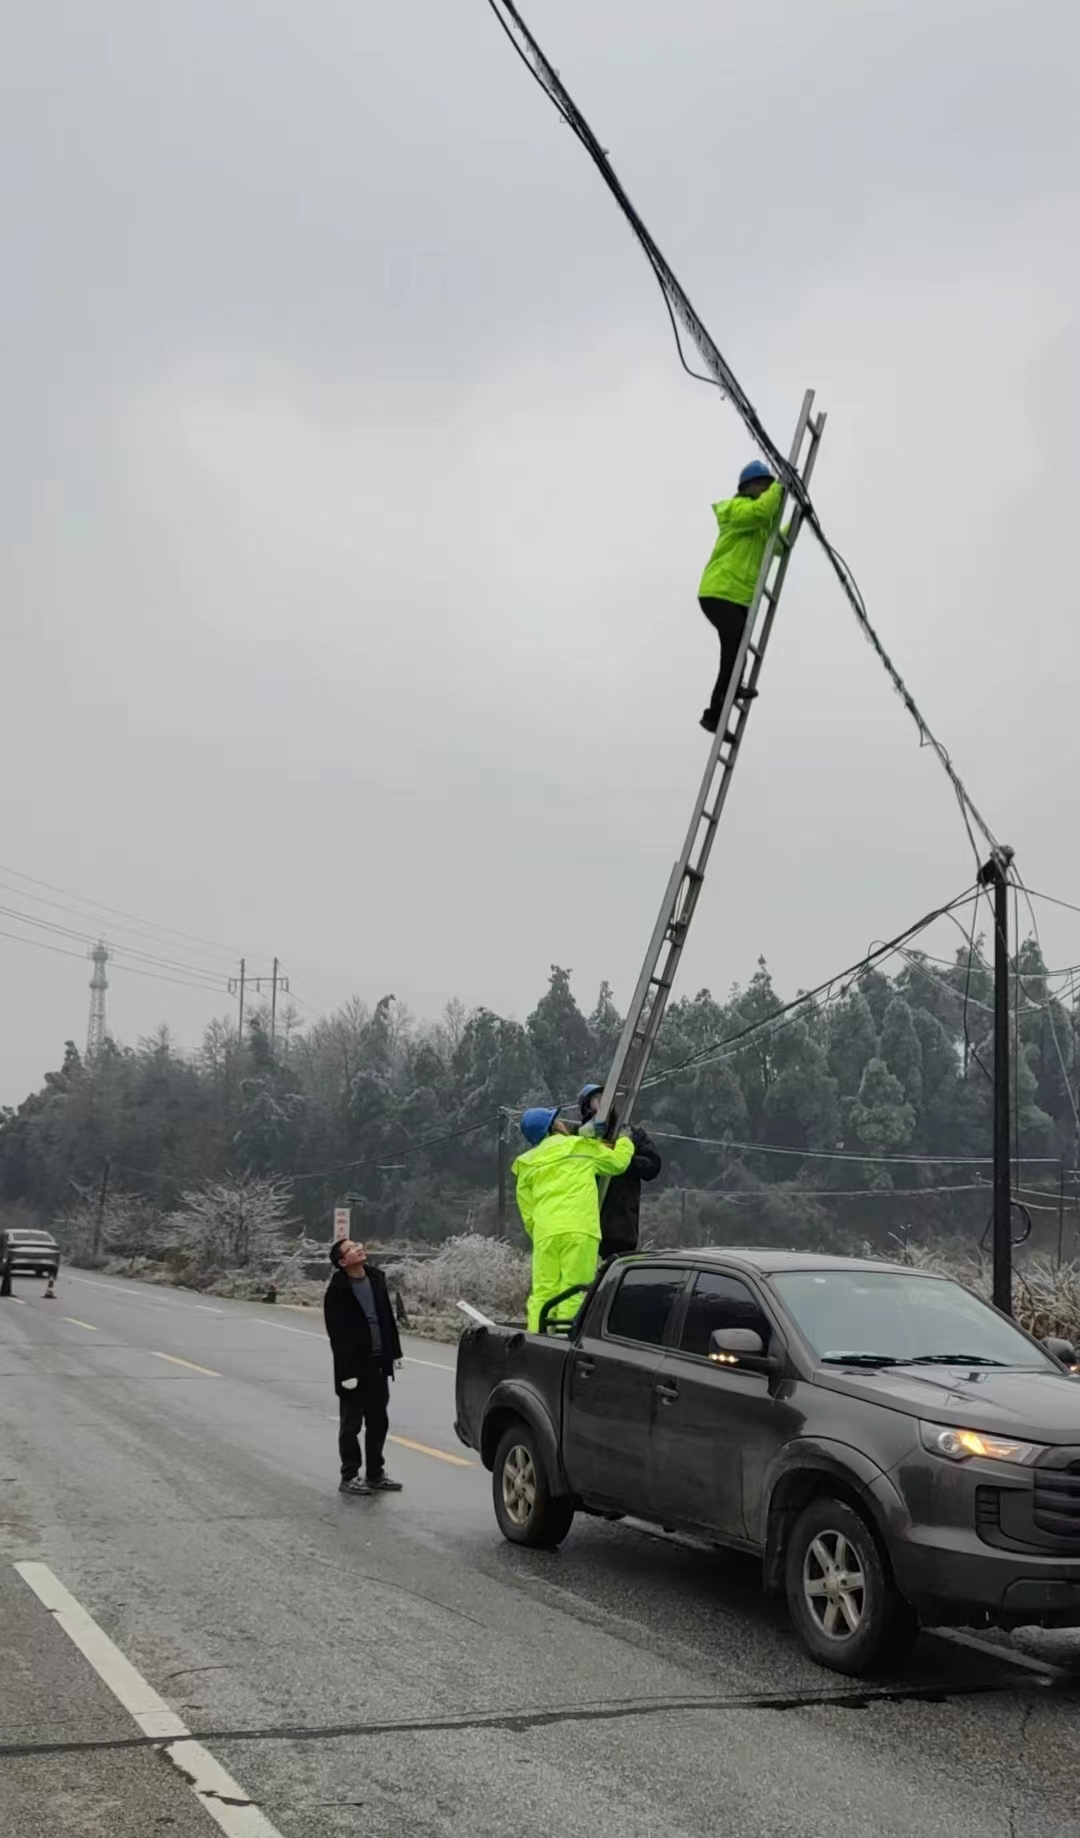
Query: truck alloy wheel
x=524, y=1508
x=519, y=1485
x=841, y=1596
x=834, y=1585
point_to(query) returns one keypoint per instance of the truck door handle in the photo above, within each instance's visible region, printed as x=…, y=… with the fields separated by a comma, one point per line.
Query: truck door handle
x=667, y=1393
x=584, y=1367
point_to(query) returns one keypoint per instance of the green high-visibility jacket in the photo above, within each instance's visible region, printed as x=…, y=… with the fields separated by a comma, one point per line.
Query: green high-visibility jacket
x=557, y=1183
x=735, y=563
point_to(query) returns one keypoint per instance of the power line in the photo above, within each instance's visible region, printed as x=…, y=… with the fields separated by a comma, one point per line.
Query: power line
x=91, y=938
x=846, y=1155
x=150, y=927
x=384, y=1161
x=847, y=1193
x=1049, y=1012
x=1030, y=894
x=156, y=976
x=679, y=308
x=788, y=1010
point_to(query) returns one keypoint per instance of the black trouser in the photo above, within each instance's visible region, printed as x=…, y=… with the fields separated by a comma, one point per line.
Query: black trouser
x=728, y=620
x=364, y=1408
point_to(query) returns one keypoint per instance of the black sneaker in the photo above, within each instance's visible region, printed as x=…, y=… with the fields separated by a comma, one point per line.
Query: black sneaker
x=383, y=1485
x=353, y=1483
x=745, y=695
x=710, y=722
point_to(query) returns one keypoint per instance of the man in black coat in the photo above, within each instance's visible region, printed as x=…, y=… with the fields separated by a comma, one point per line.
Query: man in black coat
x=620, y=1216
x=365, y=1344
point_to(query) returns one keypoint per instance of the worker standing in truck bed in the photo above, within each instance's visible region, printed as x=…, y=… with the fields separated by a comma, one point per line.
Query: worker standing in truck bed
x=559, y=1202
x=746, y=522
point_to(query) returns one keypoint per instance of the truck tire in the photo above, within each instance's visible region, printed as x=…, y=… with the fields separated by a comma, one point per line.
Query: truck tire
x=843, y=1602
x=524, y=1508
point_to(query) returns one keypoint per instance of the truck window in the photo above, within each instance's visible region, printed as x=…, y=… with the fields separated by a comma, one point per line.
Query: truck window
x=640, y=1310
x=717, y=1302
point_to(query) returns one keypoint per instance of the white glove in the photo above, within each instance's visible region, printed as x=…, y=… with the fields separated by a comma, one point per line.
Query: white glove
x=349, y=1384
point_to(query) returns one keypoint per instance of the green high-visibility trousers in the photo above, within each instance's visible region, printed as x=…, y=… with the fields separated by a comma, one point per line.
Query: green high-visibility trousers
x=557, y=1263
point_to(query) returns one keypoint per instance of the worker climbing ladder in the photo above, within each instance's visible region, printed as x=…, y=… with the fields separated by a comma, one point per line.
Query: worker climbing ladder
x=646, y=1014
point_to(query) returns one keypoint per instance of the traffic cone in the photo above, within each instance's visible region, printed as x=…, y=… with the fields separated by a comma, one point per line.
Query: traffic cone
x=50, y=1290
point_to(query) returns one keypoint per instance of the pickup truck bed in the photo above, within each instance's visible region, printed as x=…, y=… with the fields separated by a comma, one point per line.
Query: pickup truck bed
x=505, y=1366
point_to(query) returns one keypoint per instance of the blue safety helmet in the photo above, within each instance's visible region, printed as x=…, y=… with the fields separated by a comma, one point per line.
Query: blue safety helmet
x=757, y=469
x=587, y=1092
x=536, y=1123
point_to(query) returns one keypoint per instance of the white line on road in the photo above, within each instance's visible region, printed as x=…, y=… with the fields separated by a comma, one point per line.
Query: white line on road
x=75, y=1322
x=990, y=1649
x=437, y=1365
x=215, y=1789
x=142, y=1301
x=282, y=1327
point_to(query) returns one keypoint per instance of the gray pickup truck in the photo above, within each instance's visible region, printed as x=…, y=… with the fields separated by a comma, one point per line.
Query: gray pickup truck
x=894, y=1450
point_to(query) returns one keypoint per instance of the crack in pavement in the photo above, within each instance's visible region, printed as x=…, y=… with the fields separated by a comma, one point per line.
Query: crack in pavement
x=518, y=1722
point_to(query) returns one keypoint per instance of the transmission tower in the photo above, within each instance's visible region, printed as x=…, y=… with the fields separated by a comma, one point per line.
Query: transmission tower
x=99, y=983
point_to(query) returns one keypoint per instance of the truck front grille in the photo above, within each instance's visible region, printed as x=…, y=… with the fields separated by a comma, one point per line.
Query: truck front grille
x=1056, y=1505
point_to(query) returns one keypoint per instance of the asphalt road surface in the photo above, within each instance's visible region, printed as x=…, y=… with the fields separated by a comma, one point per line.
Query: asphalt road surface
x=197, y=1633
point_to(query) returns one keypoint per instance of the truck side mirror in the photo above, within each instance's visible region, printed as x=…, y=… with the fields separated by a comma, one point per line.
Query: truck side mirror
x=740, y=1346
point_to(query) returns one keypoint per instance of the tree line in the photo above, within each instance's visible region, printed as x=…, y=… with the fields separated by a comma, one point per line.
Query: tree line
x=788, y=1125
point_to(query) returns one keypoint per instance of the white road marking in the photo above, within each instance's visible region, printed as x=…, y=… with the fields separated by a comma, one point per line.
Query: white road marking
x=76, y=1323
x=175, y=1360
x=282, y=1327
x=1006, y=1655
x=142, y=1301
x=437, y=1365
x=21, y=1300
x=215, y=1789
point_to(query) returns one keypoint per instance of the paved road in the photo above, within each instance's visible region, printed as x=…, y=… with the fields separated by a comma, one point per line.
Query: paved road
x=390, y=1666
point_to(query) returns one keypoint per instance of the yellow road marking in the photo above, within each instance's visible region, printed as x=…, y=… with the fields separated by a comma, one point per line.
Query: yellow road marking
x=421, y=1448
x=190, y=1364
x=77, y=1323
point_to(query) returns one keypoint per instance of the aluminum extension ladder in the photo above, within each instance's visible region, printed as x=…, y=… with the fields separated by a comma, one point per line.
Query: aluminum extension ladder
x=646, y=1013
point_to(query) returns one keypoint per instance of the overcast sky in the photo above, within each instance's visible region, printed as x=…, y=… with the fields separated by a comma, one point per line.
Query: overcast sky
x=355, y=502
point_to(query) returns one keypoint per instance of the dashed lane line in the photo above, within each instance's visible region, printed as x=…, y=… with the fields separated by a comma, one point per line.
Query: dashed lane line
x=175, y=1360
x=422, y=1448
x=215, y=1789
x=75, y=1322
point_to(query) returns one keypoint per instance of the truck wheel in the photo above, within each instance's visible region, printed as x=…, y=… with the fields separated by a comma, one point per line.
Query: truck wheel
x=845, y=1606
x=526, y=1512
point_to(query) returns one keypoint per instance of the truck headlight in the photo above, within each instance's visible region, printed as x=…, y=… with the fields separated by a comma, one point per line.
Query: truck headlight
x=964, y=1445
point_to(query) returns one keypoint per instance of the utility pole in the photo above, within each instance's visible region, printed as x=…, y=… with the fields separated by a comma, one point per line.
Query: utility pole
x=99, y=1215
x=276, y=982
x=503, y=1115
x=236, y=986
x=995, y=875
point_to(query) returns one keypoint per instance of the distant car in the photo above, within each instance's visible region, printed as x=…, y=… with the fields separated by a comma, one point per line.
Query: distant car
x=26, y=1253
x=895, y=1451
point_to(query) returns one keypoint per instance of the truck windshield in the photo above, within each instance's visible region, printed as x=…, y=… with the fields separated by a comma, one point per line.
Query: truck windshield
x=889, y=1318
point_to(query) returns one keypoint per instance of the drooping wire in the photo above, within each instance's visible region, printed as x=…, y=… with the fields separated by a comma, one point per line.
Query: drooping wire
x=723, y=377
x=703, y=1056
x=1018, y=881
